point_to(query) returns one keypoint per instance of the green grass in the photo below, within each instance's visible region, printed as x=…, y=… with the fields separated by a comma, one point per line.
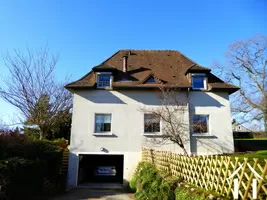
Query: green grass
x=182, y=194
x=259, y=154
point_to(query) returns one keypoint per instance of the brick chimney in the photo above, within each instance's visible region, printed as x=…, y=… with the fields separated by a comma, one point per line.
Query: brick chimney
x=124, y=63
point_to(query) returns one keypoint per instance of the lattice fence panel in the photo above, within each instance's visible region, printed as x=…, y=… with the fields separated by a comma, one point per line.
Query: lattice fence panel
x=212, y=172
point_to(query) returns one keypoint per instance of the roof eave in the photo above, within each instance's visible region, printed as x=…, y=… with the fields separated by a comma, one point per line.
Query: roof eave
x=104, y=69
x=196, y=71
x=150, y=87
x=72, y=88
x=229, y=90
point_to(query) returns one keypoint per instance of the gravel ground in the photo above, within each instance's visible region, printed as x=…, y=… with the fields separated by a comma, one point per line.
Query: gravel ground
x=93, y=194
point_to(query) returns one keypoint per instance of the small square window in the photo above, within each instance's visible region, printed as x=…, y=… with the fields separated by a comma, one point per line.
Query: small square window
x=103, y=80
x=150, y=80
x=151, y=123
x=201, y=124
x=198, y=81
x=102, y=123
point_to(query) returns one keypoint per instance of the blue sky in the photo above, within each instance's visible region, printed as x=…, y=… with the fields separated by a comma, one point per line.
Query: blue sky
x=87, y=32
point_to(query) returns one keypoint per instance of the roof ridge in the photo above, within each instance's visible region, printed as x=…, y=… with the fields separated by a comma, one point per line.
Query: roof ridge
x=166, y=50
x=148, y=50
x=110, y=57
x=187, y=58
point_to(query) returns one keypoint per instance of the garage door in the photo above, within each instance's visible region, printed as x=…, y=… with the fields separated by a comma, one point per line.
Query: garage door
x=100, y=169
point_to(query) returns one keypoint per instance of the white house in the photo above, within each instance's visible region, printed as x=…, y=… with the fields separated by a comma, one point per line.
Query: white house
x=239, y=128
x=109, y=127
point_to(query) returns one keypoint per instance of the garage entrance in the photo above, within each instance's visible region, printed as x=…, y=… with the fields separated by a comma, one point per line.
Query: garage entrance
x=100, y=169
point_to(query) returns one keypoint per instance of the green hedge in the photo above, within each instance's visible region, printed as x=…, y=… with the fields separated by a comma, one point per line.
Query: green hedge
x=148, y=183
x=26, y=164
x=250, y=145
x=21, y=178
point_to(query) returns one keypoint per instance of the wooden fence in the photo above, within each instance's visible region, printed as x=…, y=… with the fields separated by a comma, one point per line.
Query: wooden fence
x=212, y=172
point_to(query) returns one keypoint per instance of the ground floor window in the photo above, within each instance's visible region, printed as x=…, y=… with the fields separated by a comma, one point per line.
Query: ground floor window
x=201, y=124
x=151, y=123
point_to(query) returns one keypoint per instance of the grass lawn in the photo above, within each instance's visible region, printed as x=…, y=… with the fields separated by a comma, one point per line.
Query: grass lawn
x=259, y=154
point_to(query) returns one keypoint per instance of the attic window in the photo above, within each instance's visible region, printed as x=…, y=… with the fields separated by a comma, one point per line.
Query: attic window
x=104, y=80
x=150, y=80
x=199, y=81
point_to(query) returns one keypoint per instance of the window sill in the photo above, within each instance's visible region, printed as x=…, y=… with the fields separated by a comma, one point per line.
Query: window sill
x=203, y=135
x=103, y=134
x=199, y=89
x=104, y=88
x=153, y=134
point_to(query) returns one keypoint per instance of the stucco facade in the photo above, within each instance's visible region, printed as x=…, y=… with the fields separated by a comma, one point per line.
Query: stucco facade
x=220, y=138
x=127, y=125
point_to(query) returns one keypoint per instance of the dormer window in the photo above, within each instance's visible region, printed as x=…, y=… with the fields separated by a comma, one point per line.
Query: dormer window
x=199, y=81
x=150, y=80
x=104, y=79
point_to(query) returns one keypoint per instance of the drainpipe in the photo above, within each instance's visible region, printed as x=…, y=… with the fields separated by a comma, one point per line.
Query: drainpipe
x=189, y=121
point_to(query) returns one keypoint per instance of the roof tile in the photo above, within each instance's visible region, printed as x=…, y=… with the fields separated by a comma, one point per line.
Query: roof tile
x=168, y=66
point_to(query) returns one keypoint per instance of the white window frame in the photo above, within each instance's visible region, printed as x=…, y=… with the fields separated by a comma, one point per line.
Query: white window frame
x=208, y=123
x=205, y=81
x=104, y=73
x=151, y=133
x=106, y=132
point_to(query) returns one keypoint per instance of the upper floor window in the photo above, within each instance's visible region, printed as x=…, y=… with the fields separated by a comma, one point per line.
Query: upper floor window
x=199, y=81
x=151, y=123
x=150, y=80
x=104, y=80
x=201, y=124
x=102, y=123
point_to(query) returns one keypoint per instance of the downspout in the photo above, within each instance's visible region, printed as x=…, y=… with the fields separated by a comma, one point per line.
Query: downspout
x=189, y=122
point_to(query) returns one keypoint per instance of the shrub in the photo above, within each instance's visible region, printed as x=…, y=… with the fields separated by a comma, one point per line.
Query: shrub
x=61, y=143
x=27, y=163
x=182, y=194
x=149, y=184
x=18, y=145
x=133, y=182
x=21, y=177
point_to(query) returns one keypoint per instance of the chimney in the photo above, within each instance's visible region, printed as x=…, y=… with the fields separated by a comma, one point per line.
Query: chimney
x=124, y=63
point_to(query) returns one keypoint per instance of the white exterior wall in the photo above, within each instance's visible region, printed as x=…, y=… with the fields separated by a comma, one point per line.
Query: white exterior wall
x=127, y=125
x=217, y=106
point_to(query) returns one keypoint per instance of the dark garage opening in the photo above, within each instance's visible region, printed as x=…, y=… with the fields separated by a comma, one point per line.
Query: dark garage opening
x=100, y=169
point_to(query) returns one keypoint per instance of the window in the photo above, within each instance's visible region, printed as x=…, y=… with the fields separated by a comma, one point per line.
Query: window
x=102, y=123
x=200, y=124
x=150, y=80
x=103, y=80
x=199, y=81
x=152, y=123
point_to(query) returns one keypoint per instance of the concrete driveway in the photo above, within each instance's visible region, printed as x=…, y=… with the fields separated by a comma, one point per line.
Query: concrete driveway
x=95, y=194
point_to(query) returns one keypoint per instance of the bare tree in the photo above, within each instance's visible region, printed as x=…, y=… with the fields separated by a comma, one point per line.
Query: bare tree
x=173, y=112
x=2, y=127
x=32, y=88
x=247, y=68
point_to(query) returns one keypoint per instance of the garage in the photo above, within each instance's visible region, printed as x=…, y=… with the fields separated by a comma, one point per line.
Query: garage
x=100, y=169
